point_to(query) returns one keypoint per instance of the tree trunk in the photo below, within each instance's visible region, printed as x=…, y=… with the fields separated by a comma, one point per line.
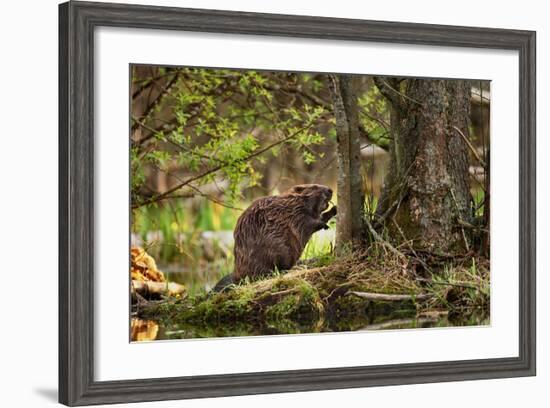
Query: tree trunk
x=349, y=226
x=426, y=192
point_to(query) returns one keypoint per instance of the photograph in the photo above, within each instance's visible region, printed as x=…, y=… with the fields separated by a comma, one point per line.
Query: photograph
x=272, y=202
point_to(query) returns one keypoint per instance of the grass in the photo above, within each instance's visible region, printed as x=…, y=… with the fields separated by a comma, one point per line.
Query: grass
x=172, y=232
x=174, y=235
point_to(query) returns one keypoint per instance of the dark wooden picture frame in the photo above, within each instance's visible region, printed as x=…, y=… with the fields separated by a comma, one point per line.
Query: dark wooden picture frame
x=77, y=21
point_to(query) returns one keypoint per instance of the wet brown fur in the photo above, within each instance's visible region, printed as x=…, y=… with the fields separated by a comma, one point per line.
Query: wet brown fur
x=273, y=231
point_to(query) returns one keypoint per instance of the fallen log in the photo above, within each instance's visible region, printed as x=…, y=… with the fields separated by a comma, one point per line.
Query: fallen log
x=149, y=289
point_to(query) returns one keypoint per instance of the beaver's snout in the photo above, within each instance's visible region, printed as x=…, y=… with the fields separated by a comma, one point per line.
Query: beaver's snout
x=327, y=197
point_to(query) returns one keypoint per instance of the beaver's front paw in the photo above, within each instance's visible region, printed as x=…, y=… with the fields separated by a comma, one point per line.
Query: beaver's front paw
x=329, y=214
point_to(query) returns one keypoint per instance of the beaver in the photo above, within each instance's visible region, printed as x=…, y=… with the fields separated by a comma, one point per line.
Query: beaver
x=273, y=231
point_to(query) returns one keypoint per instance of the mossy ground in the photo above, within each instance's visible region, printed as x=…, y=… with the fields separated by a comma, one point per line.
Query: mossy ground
x=316, y=292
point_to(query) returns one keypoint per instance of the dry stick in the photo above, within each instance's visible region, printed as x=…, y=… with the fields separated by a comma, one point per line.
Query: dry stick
x=399, y=92
x=205, y=173
x=388, y=297
x=408, y=243
x=457, y=284
x=472, y=148
x=382, y=241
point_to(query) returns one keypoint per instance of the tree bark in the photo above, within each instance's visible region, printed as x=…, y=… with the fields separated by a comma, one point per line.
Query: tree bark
x=350, y=222
x=426, y=191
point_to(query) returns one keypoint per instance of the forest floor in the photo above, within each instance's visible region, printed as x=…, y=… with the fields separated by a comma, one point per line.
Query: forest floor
x=343, y=290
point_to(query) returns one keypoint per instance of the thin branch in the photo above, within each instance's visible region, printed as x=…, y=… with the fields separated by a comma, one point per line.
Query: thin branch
x=146, y=82
x=296, y=90
x=159, y=98
x=457, y=284
x=381, y=122
x=389, y=297
x=392, y=94
x=378, y=238
x=214, y=169
x=411, y=248
x=214, y=200
x=472, y=148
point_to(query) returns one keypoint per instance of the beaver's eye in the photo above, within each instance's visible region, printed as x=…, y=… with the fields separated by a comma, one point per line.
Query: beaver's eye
x=298, y=189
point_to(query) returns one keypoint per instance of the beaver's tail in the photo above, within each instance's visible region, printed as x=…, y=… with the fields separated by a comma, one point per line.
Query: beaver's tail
x=224, y=282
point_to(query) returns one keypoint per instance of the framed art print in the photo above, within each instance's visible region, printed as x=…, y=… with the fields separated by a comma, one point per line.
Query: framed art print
x=255, y=203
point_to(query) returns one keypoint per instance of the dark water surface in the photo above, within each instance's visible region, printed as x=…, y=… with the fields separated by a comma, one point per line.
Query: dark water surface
x=149, y=330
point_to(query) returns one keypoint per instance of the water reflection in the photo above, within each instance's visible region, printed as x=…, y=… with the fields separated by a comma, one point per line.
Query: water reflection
x=148, y=330
x=144, y=330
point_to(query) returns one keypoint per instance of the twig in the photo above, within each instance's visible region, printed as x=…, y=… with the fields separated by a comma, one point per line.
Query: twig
x=159, y=98
x=381, y=122
x=457, y=284
x=378, y=238
x=380, y=83
x=389, y=297
x=214, y=200
x=411, y=248
x=472, y=148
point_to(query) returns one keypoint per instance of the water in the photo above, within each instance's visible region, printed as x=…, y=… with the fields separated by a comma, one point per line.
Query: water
x=149, y=330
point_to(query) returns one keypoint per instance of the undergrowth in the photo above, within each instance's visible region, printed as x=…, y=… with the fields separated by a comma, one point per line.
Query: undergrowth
x=324, y=289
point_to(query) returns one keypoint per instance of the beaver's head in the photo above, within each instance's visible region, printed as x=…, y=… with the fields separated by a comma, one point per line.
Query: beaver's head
x=317, y=196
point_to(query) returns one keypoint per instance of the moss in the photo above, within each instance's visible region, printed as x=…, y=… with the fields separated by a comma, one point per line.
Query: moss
x=285, y=308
